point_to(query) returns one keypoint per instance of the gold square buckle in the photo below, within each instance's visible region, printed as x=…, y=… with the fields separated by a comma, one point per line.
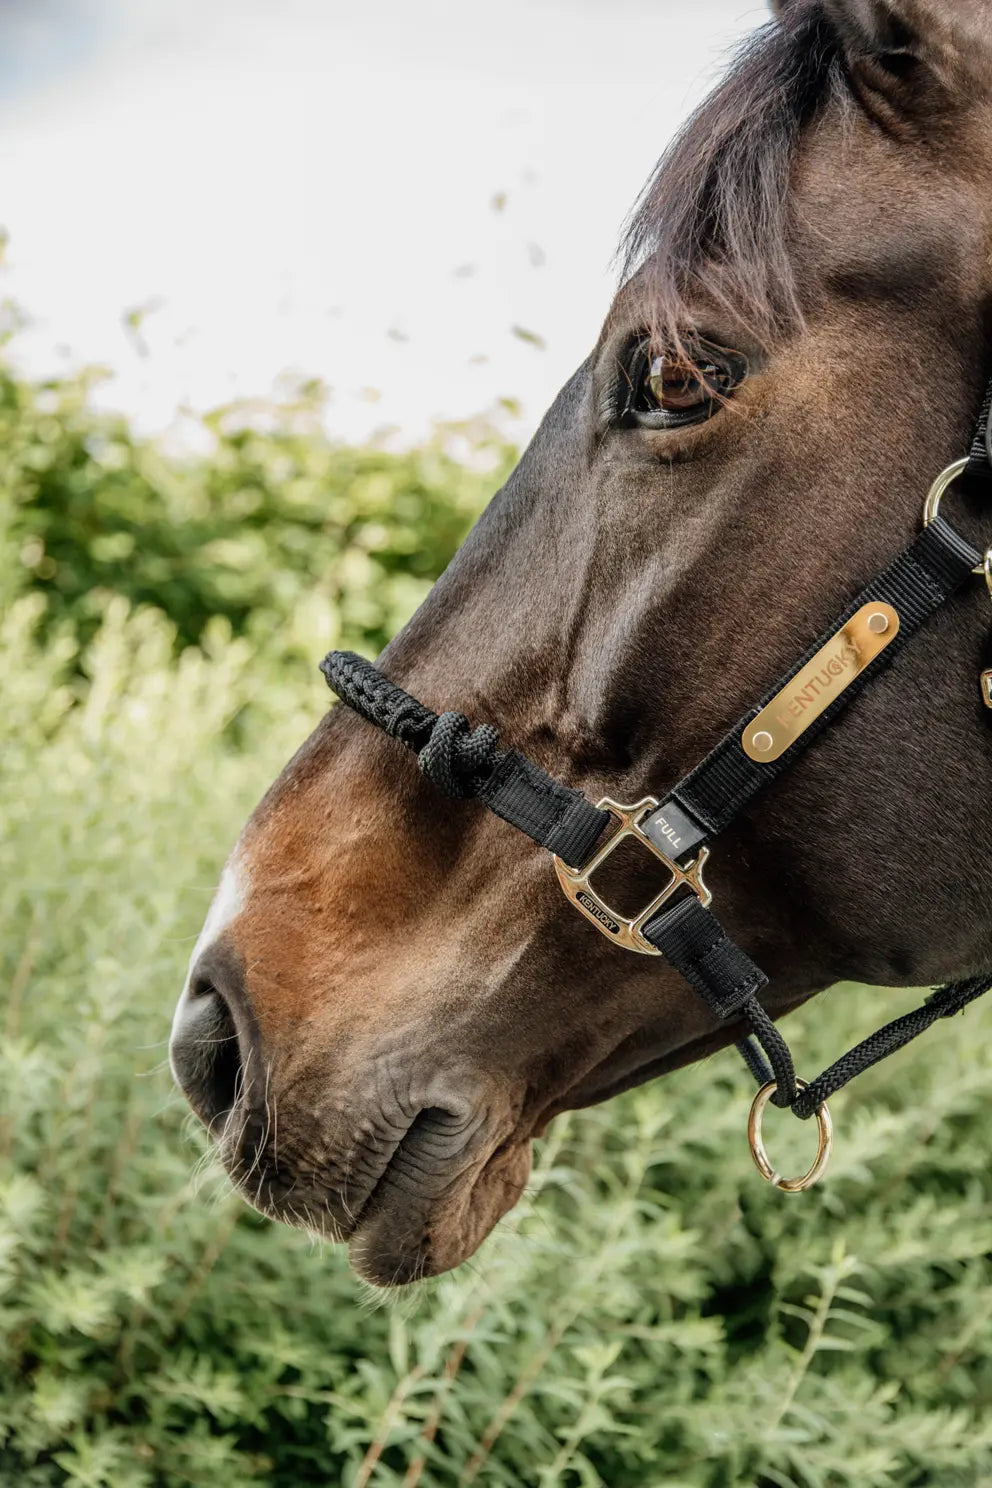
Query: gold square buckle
x=577, y=887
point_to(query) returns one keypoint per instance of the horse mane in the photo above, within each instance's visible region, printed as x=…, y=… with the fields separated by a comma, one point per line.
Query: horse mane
x=716, y=208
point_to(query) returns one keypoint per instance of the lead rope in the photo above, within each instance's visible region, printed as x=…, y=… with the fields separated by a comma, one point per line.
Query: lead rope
x=944, y=1003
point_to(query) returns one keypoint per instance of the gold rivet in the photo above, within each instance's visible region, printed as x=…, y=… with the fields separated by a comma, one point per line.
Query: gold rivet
x=762, y=741
x=878, y=623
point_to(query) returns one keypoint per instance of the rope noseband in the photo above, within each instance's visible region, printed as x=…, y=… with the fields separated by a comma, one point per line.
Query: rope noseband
x=455, y=758
x=466, y=763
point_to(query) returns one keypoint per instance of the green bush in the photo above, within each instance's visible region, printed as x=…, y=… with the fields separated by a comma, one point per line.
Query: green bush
x=651, y=1317
x=272, y=525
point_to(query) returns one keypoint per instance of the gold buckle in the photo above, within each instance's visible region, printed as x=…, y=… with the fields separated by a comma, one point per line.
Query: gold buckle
x=577, y=887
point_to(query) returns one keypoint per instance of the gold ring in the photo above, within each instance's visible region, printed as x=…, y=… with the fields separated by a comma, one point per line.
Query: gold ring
x=932, y=504
x=987, y=566
x=825, y=1136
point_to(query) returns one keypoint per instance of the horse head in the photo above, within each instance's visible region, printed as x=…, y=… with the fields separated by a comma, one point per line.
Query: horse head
x=391, y=997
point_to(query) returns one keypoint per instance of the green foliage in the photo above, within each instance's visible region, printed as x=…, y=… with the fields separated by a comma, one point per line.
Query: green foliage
x=271, y=526
x=651, y=1317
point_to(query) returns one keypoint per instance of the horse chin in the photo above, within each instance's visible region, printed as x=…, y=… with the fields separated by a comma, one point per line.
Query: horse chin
x=406, y=1235
x=636, y=1062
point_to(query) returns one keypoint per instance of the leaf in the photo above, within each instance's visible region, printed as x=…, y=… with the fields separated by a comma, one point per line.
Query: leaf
x=530, y=337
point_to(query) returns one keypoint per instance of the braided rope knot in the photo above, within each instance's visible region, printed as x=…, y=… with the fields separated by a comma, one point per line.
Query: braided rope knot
x=458, y=759
x=358, y=683
x=454, y=757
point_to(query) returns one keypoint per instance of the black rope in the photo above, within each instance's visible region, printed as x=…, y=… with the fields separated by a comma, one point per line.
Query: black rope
x=780, y=1067
x=455, y=758
x=464, y=762
x=885, y=1041
x=754, y=1057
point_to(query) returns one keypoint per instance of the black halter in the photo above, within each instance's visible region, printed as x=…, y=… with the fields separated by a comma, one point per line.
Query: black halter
x=678, y=924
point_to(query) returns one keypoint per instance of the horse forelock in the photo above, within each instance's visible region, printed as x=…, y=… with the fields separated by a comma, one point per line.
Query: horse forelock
x=715, y=211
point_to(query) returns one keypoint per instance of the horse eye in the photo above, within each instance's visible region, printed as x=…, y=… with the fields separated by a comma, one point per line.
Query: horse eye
x=679, y=386
x=669, y=389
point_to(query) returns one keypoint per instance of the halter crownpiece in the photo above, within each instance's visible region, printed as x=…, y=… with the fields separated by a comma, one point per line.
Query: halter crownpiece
x=678, y=923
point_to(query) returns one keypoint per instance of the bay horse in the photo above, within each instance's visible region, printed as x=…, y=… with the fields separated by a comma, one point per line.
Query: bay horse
x=390, y=997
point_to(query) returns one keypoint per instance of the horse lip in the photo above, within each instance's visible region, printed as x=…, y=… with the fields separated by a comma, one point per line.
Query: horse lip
x=423, y=1162
x=406, y=1164
x=393, y=1242
x=255, y=1173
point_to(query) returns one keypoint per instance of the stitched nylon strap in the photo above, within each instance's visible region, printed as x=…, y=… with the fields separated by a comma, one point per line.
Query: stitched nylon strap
x=980, y=455
x=916, y=584
x=560, y=819
x=692, y=939
x=706, y=801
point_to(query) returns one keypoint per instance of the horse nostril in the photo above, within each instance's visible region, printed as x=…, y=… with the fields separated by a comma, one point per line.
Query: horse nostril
x=204, y=1051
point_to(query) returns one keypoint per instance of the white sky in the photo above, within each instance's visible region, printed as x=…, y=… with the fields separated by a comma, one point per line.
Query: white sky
x=307, y=186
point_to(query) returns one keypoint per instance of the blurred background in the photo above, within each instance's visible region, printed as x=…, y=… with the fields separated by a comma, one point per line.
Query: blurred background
x=409, y=201
x=284, y=289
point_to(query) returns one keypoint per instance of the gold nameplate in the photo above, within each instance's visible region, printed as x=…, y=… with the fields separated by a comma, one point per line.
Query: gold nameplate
x=833, y=668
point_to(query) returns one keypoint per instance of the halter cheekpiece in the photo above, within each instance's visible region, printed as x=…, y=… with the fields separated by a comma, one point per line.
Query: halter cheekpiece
x=678, y=923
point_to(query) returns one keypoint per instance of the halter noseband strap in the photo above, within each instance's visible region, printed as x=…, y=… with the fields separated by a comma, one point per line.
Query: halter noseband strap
x=463, y=763
x=467, y=763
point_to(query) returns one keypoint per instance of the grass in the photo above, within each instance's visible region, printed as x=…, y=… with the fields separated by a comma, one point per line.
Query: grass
x=650, y=1315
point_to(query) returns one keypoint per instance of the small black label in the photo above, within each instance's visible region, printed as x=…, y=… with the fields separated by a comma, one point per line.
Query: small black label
x=672, y=831
x=593, y=908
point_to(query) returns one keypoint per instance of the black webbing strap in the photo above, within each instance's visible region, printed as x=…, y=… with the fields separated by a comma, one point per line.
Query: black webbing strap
x=465, y=762
x=691, y=939
x=560, y=819
x=979, y=465
x=706, y=801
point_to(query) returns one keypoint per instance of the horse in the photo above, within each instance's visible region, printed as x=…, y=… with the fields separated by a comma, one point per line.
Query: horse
x=391, y=998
